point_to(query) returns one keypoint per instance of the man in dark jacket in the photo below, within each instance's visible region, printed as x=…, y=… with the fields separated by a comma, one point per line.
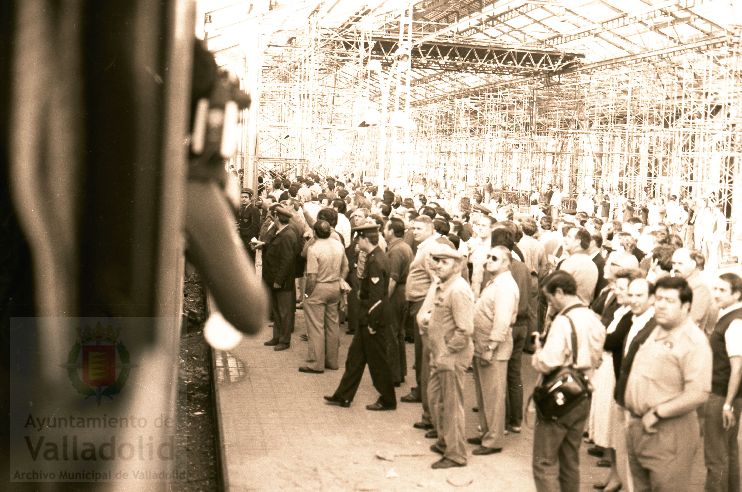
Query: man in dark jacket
x=279, y=272
x=248, y=221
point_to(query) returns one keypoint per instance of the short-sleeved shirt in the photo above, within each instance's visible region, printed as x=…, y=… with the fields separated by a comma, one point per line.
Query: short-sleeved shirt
x=668, y=364
x=400, y=256
x=557, y=350
x=326, y=258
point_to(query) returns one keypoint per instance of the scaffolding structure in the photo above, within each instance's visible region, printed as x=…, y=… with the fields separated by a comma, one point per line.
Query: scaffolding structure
x=640, y=97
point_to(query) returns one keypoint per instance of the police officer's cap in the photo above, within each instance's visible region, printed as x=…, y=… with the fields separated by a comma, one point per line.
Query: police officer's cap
x=362, y=229
x=248, y=191
x=441, y=250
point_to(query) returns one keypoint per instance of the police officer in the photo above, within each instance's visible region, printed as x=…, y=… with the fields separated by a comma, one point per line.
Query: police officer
x=369, y=345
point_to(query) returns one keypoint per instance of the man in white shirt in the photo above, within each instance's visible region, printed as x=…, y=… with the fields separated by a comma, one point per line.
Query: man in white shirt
x=556, y=444
x=724, y=405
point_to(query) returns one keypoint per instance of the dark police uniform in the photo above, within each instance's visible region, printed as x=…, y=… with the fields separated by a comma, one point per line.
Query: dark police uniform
x=369, y=345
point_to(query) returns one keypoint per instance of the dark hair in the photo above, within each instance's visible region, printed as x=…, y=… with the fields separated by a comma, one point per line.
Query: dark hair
x=328, y=214
x=339, y=204
x=685, y=293
x=455, y=240
x=598, y=222
x=698, y=257
x=528, y=226
x=322, y=229
x=598, y=240
x=514, y=228
x=429, y=211
x=378, y=219
x=584, y=236
x=386, y=210
x=674, y=240
x=502, y=236
x=546, y=222
x=342, y=193
x=560, y=280
x=441, y=227
x=734, y=281
x=663, y=255
x=396, y=226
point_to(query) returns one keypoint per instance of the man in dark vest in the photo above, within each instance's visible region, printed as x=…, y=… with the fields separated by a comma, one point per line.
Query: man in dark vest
x=725, y=402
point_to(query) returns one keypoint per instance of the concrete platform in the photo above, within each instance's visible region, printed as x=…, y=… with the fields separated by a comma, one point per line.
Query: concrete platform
x=278, y=433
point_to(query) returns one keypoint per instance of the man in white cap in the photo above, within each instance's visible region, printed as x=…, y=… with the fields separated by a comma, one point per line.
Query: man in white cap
x=447, y=320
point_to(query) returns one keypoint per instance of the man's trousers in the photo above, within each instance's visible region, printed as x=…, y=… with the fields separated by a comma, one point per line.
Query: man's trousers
x=323, y=325
x=556, y=446
x=721, y=449
x=662, y=461
x=283, y=310
x=446, y=398
x=514, y=400
x=490, y=383
x=397, y=351
x=371, y=349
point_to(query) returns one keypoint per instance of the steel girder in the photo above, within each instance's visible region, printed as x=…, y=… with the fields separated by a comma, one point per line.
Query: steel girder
x=466, y=57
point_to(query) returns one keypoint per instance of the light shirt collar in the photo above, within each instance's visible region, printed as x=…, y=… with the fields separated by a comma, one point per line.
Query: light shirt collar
x=727, y=310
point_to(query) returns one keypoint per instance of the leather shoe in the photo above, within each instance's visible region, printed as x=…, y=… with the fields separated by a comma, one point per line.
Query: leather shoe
x=437, y=449
x=271, y=343
x=432, y=434
x=309, y=370
x=595, y=451
x=475, y=440
x=515, y=429
x=599, y=485
x=303, y=338
x=422, y=425
x=333, y=400
x=412, y=397
x=445, y=463
x=483, y=451
x=604, y=463
x=281, y=346
x=379, y=407
x=475, y=409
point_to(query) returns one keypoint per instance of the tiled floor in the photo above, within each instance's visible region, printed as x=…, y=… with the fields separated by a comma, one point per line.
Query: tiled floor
x=280, y=435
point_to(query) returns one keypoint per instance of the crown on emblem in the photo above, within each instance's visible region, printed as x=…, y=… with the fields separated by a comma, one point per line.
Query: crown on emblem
x=98, y=333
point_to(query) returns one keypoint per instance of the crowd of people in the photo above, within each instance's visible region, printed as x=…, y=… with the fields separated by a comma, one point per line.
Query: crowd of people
x=474, y=284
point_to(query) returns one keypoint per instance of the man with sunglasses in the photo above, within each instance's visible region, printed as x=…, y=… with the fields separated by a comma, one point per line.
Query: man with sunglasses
x=494, y=314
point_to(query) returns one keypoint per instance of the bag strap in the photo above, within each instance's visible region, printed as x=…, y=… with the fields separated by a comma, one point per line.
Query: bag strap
x=573, y=335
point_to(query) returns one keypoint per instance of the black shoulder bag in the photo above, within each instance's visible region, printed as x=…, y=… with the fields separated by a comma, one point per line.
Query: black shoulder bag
x=563, y=388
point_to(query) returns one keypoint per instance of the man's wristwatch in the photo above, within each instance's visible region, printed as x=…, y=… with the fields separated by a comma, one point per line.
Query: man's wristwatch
x=728, y=408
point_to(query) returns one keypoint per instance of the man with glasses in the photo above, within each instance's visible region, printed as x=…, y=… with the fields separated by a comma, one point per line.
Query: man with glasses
x=447, y=321
x=494, y=314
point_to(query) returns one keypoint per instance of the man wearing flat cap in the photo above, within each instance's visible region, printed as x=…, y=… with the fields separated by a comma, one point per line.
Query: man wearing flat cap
x=447, y=320
x=279, y=272
x=369, y=345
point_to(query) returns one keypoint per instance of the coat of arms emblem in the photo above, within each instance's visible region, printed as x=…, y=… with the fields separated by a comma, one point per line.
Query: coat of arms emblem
x=98, y=363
